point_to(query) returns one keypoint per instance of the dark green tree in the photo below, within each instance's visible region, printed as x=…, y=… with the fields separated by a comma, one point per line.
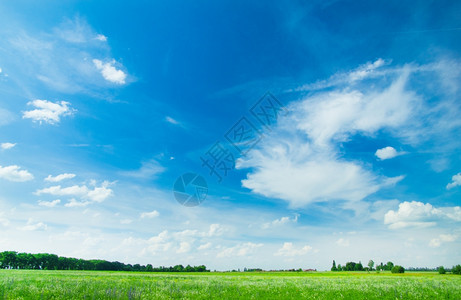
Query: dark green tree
x=333, y=268
x=397, y=269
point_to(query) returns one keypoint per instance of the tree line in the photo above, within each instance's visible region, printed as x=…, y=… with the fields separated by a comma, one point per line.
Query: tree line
x=389, y=266
x=46, y=261
x=353, y=266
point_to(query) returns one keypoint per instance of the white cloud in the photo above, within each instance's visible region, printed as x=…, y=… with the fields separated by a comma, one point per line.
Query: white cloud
x=59, y=177
x=49, y=203
x=386, y=153
x=148, y=170
x=184, y=247
x=75, y=203
x=126, y=221
x=31, y=226
x=171, y=120
x=343, y=242
x=418, y=214
x=281, y=221
x=14, y=173
x=443, y=238
x=289, y=250
x=242, y=249
x=101, y=37
x=48, y=111
x=109, y=72
x=149, y=215
x=205, y=246
x=455, y=181
x=6, y=146
x=362, y=72
x=366, y=70
x=97, y=194
x=300, y=161
x=215, y=230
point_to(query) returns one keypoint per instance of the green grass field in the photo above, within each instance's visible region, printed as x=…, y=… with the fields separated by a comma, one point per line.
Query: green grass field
x=35, y=284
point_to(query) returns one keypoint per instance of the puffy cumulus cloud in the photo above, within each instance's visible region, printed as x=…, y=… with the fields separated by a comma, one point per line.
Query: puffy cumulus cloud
x=93, y=194
x=242, y=249
x=6, y=146
x=47, y=111
x=49, y=203
x=418, y=214
x=14, y=173
x=386, y=153
x=149, y=215
x=279, y=222
x=443, y=238
x=289, y=250
x=292, y=174
x=455, y=181
x=59, y=177
x=34, y=226
x=300, y=161
x=109, y=72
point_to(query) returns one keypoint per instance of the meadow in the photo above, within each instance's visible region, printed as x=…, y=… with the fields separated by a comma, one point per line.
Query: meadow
x=39, y=284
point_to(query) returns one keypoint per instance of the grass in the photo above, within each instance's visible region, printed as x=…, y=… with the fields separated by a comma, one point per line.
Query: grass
x=36, y=284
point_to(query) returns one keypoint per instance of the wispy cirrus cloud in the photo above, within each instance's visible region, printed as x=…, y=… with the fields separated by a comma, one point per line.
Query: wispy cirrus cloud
x=303, y=159
x=62, y=58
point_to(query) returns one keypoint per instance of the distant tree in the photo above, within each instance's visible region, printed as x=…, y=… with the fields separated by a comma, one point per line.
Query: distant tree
x=333, y=268
x=441, y=270
x=397, y=269
x=371, y=264
x=350, y=266
x=339, y=268
x=389, y=265
x=456, y=270
x=358, y=267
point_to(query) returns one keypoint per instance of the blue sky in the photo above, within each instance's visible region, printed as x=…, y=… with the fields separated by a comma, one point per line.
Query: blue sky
x=104, y=105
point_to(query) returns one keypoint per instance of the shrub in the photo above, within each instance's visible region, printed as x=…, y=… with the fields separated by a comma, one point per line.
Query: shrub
x=398, y=269
x=441, y=270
